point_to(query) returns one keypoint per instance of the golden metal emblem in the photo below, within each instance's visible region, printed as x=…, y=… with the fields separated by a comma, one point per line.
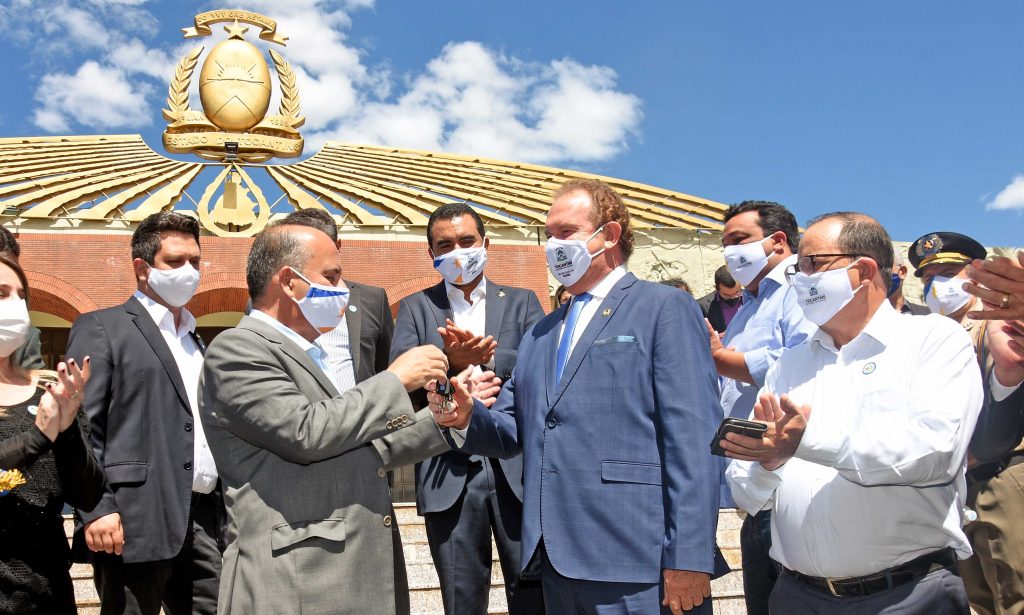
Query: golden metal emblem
x=234, y=90
x=606, y=313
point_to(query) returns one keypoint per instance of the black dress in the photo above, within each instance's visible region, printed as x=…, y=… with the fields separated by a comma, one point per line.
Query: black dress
x=34, y=553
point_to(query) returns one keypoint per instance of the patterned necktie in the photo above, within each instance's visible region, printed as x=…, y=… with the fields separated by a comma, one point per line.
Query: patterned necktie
x=570, y=324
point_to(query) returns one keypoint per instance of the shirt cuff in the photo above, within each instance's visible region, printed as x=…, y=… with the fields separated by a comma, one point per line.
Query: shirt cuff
x=999, y=391
x=821, y=442
x=757, y=364
x=458, y=435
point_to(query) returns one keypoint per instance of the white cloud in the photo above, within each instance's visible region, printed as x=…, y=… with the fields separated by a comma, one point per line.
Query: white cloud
x=1010, y=197
x=469, y=99
x=96, y=96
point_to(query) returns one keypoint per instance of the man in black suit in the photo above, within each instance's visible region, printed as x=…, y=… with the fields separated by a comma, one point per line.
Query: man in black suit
x=367, y=319
x=720, y=305
x=464, y=498
x=153, y=535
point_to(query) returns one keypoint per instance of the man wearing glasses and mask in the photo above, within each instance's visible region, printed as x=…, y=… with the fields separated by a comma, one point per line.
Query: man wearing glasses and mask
x=868, y=422
x=760, y=238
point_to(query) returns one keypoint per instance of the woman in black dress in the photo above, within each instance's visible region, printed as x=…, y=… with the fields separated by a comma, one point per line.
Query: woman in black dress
x=41, y=436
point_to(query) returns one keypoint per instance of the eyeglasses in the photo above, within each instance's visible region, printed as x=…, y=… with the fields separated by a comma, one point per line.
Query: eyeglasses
x=811, y=263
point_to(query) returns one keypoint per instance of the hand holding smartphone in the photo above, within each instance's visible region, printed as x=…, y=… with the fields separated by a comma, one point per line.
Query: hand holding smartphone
x=752, y=429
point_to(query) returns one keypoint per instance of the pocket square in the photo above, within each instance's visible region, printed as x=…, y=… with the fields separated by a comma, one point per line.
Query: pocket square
x=618, y=339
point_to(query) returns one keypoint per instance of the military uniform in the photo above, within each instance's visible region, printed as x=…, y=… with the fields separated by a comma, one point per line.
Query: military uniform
x=994, y=575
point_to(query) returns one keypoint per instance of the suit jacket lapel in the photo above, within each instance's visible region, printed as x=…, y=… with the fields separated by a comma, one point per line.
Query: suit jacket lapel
x=152, y=335
x=601, y=318
x=495, y=312
x=354, y=321
x=292, y=350
x=439, y=304
x=551, y=351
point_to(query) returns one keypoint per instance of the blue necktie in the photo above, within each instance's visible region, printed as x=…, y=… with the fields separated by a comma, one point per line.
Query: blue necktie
x=570, y=323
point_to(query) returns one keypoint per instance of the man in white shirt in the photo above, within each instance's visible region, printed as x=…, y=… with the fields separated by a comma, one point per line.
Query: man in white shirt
x=868, y=428
x=153, y=535
x=464, y=499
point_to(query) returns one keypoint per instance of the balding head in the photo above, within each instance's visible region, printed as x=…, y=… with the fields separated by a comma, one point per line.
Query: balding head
x=285, y=245
x=857, y=233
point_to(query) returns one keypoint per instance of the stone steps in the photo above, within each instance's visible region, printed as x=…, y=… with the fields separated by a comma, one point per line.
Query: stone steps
x=424, y=594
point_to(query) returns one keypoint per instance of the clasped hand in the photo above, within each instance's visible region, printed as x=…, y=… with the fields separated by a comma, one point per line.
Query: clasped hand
x=786, y=425
x=463, y=348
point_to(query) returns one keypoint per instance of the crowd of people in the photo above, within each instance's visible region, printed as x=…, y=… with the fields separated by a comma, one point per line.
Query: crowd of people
x=874, y=444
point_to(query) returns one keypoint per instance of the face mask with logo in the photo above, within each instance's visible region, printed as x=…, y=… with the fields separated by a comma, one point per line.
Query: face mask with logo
x=323, y=306
x=569, y=259
x=746, y=260
x=945, y=295
x=461, y=266
x=821, y=295
x=174, y=286
x=14, y=325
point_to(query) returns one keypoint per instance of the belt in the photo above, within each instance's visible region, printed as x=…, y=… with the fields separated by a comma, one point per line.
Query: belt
x=988, y=471
x=848, y=587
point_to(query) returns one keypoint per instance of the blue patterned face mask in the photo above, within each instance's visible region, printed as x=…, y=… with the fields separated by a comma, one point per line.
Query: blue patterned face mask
x=323, y=306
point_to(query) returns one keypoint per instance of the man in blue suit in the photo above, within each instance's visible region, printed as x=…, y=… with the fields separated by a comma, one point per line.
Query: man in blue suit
x=613, y=403
x=463, y=498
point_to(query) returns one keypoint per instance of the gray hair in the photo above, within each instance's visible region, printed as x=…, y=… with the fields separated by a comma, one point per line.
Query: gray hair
x=276, y=247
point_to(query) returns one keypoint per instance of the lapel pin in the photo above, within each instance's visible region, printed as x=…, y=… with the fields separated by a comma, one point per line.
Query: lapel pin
x=606, y=313
x=501, y=293
x=353, y=308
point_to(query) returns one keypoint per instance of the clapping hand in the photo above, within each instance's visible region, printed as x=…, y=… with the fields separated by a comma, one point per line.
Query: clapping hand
x=463, y=348
x=1006, y=347
x=999, y=283
x=484, y=386
x=786, y=425
x=60, y=403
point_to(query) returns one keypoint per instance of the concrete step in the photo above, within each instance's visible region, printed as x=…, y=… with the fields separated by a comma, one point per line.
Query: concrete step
x=424, y=587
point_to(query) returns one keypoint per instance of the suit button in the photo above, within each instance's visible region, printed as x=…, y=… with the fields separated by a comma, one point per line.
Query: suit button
x=188, y=426
x=381, y=473
x=551, y=422
x=188, y=466
x=387, y=520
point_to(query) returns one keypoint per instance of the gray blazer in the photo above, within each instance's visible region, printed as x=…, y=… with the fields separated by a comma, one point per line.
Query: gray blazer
x=311, y=528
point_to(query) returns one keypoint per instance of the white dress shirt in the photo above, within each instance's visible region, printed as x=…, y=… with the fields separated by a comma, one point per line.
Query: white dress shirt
x=338, y=356
x=598, y=294
x=878, y=478
x=313, y=349
x=189, y=360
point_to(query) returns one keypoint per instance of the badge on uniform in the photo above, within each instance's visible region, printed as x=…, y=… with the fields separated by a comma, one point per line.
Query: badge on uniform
x=606, y=313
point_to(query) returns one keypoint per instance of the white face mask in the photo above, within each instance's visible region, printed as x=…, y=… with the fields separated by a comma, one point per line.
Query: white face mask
x=746, y=260
x=323, y=306
x=174, y=286
x=14, y=325
x=461, y=266
x=821, y=295
x=569, y=259
x=945, y=295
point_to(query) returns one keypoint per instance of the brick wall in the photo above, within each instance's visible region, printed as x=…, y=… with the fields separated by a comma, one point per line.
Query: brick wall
x=73, y=273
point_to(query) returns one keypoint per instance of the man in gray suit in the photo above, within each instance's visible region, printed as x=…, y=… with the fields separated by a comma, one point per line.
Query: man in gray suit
x=464, y=498
x=311, y=527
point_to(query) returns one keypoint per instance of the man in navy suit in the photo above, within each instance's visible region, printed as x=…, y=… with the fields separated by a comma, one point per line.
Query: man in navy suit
x=464, y=498
x=613, y=403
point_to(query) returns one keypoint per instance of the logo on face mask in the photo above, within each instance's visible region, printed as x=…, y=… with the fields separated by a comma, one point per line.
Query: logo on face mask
x=813, y=296
x=743, y=261
x=560, y=254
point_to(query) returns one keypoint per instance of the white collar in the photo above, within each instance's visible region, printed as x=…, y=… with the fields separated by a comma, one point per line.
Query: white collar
x=163, y=317
x=477, y=293
x=880, y=327
x=297, y=339
x=605, y=285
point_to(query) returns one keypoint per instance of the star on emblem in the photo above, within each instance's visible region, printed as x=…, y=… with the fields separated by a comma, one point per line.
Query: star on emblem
x=236, y=31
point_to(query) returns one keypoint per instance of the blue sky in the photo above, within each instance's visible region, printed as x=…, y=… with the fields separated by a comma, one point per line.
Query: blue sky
x=909, y=111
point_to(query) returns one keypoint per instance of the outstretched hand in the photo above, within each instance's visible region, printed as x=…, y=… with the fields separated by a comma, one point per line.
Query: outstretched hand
x=457, y=412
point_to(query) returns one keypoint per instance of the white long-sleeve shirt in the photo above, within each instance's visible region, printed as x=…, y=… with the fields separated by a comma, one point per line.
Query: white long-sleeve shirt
x=878, y=478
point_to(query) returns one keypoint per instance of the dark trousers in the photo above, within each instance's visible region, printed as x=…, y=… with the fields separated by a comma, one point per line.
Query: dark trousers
x=938, y=593
x=759, y=572
x=186, y=584
x=460, y=543
x=565, y=596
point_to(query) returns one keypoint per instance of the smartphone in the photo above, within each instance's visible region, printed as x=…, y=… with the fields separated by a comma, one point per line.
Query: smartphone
x=743, y=427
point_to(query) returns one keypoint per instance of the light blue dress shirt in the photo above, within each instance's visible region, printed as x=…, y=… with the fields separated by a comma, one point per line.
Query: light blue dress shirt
x=764, y=326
